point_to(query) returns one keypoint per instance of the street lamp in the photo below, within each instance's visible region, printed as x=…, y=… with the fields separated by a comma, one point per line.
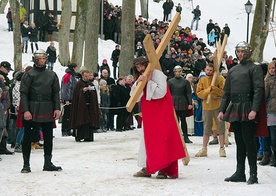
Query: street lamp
x=248, y=8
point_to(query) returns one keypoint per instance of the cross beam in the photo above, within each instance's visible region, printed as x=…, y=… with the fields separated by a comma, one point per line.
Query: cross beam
x=153, y=57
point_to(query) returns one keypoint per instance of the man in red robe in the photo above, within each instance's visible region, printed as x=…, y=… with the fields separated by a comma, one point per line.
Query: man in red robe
x=161, y=144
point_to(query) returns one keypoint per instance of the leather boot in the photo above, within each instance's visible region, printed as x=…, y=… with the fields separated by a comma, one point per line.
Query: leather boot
x=48, y=165
x=26, y=167
x=3, y=147
x=273, y=159
x=253, y=175
x=266, y=159
x=32, y=48
x=238, y=176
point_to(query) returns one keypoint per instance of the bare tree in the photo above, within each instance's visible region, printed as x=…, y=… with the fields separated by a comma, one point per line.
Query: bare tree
x=127, y=43
x=79, y=34
x=17, y=56
x=144, y=8
x=260, y=28
x=91, y=35
x=3, y=4
x=64, y=32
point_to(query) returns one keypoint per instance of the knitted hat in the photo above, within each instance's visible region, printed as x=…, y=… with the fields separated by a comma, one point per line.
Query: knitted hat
x=102, y=82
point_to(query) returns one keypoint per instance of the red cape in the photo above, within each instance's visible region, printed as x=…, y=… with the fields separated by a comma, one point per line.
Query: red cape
x=162, y=138
x=261, y=126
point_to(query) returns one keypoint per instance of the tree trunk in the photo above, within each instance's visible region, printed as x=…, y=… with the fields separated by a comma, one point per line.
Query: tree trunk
x=17, y=51
x=3, y=5
x=273, y=11
x=260, y=29
x=91, y=35
x=79, y=34
x=127, y=43
x=64, y=32
x=144, y=8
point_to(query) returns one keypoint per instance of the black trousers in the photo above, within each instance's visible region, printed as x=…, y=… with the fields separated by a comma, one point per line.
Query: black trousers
x=246, y=146
x=122, y=118
x=30, y=128
x=65, y=127
x=181, y=115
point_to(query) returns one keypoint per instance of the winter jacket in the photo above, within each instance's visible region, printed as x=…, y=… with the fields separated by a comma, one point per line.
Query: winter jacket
x=51, y=26
x=209, y=27
x=2, y=117
x=227, y=31
x=25, y=31
x=200, y=65
x=52, y=54
x=167, y=67
x=270, y=95
x=167, y=8
x=43, y=21
x=212, y=37
x=115, y=55
x=105, y=100
x=181, y=93
x=178, y=9
x=118, y=23
x=68, y=83
x=105, y=66
x=197, y=13
x=9, y=17
x=33, y=35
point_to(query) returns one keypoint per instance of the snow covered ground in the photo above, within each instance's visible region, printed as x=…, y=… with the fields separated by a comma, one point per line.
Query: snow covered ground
x=105, y=166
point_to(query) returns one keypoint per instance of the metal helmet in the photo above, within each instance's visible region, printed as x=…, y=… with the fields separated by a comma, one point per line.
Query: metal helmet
x=37, y=54
x=177, y=68
x=246, y=47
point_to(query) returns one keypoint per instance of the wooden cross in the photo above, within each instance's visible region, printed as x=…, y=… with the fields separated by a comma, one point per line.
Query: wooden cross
x=153, y=57
x=217, y=61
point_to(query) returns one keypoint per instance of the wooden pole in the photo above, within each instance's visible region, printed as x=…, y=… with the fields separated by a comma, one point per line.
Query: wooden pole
x=217, y=61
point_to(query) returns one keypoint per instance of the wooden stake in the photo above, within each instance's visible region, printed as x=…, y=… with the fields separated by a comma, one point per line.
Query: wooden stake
x=217, y=61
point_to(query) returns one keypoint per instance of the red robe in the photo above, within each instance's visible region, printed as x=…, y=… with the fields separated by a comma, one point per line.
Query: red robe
x=162, y=138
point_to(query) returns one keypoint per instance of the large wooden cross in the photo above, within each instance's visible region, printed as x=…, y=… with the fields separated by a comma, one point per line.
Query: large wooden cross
x=217, y=58
x=153, y=57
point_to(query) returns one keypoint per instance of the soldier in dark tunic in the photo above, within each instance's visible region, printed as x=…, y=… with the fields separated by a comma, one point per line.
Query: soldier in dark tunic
x=182, y=98
x=241, y=101
x=40, y=105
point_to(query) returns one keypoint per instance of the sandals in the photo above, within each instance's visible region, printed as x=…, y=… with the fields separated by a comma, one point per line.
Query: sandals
x=142, y=173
